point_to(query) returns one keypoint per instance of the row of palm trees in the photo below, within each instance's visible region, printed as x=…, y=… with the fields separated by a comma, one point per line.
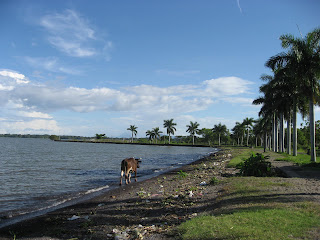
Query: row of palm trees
x=239, y=131
x=293, y=87
x=155, y=132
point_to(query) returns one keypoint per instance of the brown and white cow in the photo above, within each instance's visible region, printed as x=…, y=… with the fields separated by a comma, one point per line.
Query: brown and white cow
x=129, y=165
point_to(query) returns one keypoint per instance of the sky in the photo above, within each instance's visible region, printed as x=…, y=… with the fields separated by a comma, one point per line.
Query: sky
x=79, y=67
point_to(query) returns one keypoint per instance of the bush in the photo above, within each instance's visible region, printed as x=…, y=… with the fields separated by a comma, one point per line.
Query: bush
x=214, y=181
x=256, y=165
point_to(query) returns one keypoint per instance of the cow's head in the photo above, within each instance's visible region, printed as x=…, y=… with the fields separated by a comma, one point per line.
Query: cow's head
x=138, y=160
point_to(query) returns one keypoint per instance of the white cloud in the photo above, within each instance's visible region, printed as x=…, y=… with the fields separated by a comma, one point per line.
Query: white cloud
x=173, y=99
x=19, y=78
x=226, y=86
x=238, y=2
x=8, y=73
x=27, y=102
x=71, y=33
x=41, y=126
x=51, y=64
x=34, y=114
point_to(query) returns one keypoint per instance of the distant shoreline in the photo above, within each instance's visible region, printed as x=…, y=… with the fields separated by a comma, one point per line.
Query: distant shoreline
x=134, y=143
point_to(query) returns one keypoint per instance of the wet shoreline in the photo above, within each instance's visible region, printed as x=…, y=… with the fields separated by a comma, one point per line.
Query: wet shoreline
x=7, y=221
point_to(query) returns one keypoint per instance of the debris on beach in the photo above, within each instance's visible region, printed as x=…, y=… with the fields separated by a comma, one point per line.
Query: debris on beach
x=74, y=217
x=203, y=183
x=137, y=233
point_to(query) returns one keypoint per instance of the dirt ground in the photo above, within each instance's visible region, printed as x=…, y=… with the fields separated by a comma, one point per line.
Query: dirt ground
x=152, y=208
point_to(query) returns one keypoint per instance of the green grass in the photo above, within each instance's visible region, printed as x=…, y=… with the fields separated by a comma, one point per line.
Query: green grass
x=244, y=154
x=278, y=223
x=251, y=209
x=301, y=160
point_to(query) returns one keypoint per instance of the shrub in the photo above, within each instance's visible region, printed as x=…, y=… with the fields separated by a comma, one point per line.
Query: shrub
x=182, y=174
x=256, y=165
x=214, y=181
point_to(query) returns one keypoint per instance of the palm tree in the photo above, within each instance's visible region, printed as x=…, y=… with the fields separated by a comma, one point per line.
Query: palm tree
x=133, y=130
x=150, y=134
x=304, y=57
x=237, y=131
x=220, y=130
x=248, y=123
x=207, y=135
x=193, y=129
x=170, y=126
x=156, y=133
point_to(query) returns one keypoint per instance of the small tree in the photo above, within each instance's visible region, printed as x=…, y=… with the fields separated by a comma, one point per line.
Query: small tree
x=100, y=136
x=207, y=135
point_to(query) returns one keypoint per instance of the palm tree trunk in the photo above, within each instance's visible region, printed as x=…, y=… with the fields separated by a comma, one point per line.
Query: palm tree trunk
x=219, y=139
x=192, y=139
x=281, y=140
x=265, y=142
x=169, y=138
x=312, y=131
x=242, y=138
x=132, y=137
x=248, y=138
x=270, y=142
x=294, y=136
x=274, y=133
x=289, y=135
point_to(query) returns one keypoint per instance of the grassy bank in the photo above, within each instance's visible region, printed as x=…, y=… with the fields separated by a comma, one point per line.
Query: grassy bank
x=251, y=210
x=302, y=160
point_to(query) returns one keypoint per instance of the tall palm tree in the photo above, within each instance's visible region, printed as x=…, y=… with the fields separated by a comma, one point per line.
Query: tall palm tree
x=193, y=129
x=220, y=130
x=156, y=133
x=133, y=130
x=170, y=126
x=303, y=55
x=248, y=123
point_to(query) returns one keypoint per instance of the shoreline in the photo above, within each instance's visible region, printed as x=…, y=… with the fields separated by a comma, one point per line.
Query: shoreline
x=112, y=189
x=156, y=191
x=134, y=143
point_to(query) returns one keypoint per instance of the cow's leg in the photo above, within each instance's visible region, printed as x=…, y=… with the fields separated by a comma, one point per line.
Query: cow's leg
x=126, y=175
x=135, y=175
x=129, y=174
x=122, y=172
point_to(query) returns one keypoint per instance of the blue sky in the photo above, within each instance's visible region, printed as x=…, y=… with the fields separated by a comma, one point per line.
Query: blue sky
x=86, y=67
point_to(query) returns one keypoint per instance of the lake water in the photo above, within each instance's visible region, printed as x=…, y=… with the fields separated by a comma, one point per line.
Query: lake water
x=40, y=173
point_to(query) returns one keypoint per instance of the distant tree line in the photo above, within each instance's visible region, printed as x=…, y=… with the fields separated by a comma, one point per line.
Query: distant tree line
x=25, y=135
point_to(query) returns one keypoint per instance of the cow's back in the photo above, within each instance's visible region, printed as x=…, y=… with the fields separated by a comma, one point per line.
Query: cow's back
x=129, y=164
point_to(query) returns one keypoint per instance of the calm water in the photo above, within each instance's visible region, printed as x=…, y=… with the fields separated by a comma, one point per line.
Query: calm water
x=39, y=173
